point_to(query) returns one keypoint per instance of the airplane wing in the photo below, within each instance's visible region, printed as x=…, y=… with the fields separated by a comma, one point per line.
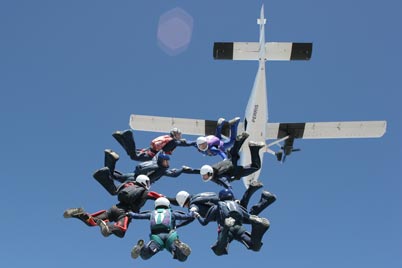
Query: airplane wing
x=327, y=130
x=199, y=127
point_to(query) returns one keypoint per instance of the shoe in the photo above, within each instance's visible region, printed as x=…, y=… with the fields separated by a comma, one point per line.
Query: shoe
x=262, y=221
x=111, y=154
x=256, y=184
x=220, y=121
x=104, y=228
x=135, y=252
x=73, y=212
x=121, y=136
x=242, y=136
x=184, y=248
x=267, y=195
x=259, y=144
x=234, y=121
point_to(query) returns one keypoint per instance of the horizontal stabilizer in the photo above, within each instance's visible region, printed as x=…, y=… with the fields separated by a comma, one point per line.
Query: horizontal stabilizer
x=199, y=127
x=274, y=51
x=327, y=130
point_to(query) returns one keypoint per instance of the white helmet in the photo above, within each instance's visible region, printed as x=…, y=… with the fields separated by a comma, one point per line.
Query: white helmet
x=144, y=181
x=182, y=197
x=206, y=170
x=201, y=140
x=162, y=202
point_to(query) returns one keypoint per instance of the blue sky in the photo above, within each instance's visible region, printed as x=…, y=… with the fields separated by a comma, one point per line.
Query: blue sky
x=71, y=73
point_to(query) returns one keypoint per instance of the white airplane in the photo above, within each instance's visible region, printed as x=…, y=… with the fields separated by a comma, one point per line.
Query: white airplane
x=256, y=115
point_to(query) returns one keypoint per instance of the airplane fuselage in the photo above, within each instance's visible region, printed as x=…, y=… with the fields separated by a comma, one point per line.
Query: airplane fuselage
x=255, y=119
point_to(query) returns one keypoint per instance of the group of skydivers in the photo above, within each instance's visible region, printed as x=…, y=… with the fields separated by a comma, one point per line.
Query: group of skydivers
x=133, y=190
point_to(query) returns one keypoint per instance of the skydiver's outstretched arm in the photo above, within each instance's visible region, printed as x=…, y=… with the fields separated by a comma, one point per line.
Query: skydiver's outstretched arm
x=212, y=215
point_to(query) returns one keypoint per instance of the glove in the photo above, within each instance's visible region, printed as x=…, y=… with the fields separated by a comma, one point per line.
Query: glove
x=194, y=209
x=186, y=169
x=229, y=222
x=194, y=214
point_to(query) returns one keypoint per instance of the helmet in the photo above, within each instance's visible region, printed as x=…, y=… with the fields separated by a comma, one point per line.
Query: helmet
x=226, y=194
x=162, y=202
x=163, y=156
x=175, y=131
x=201, y=140
x=206, y=170
x=144, y=181
x=182, y=197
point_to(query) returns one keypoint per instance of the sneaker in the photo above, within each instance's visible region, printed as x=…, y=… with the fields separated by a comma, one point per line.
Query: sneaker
x=234, y=121
x=256, y=144
x=220, y=121
x=135, y=252
x=184, y=248
x=73, y=212
x=262, y=221
x=242, y=136
x=103, y=227
x=111, y=154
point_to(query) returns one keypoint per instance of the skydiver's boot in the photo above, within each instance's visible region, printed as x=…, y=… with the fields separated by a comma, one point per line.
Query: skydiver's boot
x=258, y=228
x=111, y=158
x=181, y=251
x=266, y=199
x=104, y=228
x=136, y=251
x=73, y=212
x=220, y=122
x=103, y=176
x=126, y=140
x=233, y=124
x=252, y=188
x=234, y=121
x=80, y=214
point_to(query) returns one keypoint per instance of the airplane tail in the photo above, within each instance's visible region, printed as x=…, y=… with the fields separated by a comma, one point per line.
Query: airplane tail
x=271, y=51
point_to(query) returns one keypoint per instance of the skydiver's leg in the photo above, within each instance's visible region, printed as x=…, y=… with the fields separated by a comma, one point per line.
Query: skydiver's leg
x=234, y=151
x=126, y=140
x=252, y=188
x=116, y=214
x=103, y=176
x=258, y=228
x=266, y=199
x=221, y=245
x=218, y=131
x=88, y=219
x=111, y=158
x=255, y=155
x=150, y=250
x=234, y=123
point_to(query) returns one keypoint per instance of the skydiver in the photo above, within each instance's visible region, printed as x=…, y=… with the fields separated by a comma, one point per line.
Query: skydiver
x=230, y=217
x=167, y=143
x=163, y=232
x=228, y=170
x=202, y=202
x=154, y=169
x=212, y=145
x=131, y=195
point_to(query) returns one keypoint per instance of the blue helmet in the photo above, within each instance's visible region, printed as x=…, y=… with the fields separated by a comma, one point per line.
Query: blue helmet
x=226, y=194
x=163, y=156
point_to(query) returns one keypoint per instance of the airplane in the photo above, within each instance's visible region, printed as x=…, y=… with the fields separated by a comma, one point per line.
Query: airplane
x=256, y=122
